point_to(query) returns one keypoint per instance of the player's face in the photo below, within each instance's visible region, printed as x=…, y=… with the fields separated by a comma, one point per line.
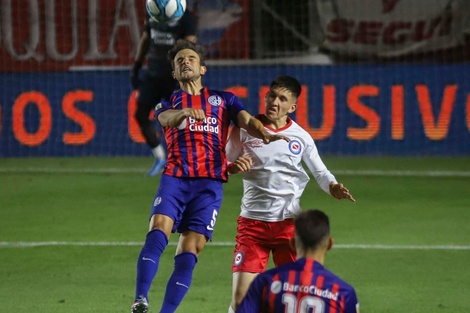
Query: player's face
x=188, y=66
x=279, y=103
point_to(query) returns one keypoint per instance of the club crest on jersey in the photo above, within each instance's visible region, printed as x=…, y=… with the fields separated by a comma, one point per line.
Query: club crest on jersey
x=158, y=106
x=215, y=100
x=238, y=259
x=295, y=147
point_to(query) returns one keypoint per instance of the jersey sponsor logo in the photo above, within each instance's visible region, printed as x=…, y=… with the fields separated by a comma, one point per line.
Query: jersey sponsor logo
x=295, y=147
x=157, y=201
x=238, y=259
x=209, y=124
x=215, y=100
x=162, y=38
x=324, y=293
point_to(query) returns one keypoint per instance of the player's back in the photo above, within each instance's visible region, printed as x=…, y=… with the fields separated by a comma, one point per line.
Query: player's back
x=300, y=287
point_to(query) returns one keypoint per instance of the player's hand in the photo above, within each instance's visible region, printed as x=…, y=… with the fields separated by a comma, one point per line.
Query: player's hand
x=197, y=114
x=272, y=137
x=242, y=164
x=340, y=192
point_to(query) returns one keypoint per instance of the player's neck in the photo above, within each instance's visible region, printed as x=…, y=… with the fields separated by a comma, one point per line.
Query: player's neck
x=192, y=87
x=318, y=256
x=275, y=124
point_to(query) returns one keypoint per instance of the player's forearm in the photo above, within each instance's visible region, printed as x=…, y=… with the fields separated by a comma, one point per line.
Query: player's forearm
x=142, y=49
x=255, y=128
x=172, y=118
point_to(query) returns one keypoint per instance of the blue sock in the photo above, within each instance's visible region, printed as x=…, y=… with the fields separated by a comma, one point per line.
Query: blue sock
x=149, y=258
x=179, y=282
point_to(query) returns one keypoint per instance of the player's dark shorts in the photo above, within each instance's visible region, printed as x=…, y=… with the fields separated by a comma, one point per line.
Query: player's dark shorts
x=192, y=203
x=256, y=239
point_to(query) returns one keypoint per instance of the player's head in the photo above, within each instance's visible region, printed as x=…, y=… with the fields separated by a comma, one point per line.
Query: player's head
x=312, y=231
x=281, y=98
x=187, y=60
x=183, y=44
x=289, y=83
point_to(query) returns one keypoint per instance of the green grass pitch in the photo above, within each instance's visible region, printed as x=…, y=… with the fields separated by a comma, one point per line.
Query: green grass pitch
x=71, y=230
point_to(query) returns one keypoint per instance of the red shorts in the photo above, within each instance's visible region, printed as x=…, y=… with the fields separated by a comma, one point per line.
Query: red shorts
x=256, y=239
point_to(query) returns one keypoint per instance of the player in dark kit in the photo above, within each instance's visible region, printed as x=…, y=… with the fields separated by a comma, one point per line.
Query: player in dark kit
x=303, y=286
x=157, y=83
x=195, y=122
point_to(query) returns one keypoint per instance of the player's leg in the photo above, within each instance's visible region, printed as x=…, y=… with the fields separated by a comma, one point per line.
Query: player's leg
x=240, y=283
x=195, y=230
x=165, y=214
x=284, y=249
x=189, y=246
x=146, y=101
x=147, y=98
x=251, y=256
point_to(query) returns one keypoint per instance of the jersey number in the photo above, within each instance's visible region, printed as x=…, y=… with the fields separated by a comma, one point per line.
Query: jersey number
x=304, y=305
x=214, y=218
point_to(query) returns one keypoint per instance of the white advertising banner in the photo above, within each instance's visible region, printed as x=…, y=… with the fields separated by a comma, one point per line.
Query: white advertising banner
x=387, y=28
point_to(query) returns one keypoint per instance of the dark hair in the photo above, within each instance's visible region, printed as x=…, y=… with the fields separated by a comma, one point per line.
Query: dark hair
x=288, y=82
x=182, y=44
x=312, y=227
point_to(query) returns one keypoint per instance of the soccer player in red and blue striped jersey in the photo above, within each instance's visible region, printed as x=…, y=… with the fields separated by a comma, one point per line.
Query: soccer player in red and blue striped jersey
x=303, y=286
x=195, y=122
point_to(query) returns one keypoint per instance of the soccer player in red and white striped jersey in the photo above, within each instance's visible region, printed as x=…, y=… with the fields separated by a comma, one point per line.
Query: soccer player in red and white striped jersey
x=195, y=122
x=303, y=286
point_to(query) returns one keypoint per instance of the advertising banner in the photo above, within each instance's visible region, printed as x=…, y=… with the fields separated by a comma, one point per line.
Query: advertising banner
x=53, y=35
x=388, y=28
x=348, y=110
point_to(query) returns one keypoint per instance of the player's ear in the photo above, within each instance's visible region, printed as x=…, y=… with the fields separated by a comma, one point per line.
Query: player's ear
x=330, y=243
x=203, y=70
x=292, y=108
x=173, y=74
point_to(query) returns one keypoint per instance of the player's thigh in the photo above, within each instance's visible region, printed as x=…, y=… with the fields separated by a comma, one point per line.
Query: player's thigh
x=201, y=212
x=283, y=246
x=252, y=248
x=170, y=198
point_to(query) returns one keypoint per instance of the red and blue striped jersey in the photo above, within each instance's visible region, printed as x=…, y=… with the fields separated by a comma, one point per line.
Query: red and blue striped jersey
x=197, y=149
x=303, y=286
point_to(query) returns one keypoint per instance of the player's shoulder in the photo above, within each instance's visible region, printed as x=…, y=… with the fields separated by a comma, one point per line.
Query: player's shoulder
x=334, y=278
x=296, y=131
x=225, y=95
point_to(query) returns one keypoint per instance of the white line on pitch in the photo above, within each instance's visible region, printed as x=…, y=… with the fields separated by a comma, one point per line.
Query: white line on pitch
x=53, y=170
x=26, y=244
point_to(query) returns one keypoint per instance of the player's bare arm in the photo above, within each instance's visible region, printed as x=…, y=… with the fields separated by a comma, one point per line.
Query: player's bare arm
x=173, y=118
x=242, y=164
x=338, y=191
x=256, y=129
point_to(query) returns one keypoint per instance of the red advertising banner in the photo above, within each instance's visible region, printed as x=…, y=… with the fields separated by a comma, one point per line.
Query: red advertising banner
x=52, y=35
x=390, y=28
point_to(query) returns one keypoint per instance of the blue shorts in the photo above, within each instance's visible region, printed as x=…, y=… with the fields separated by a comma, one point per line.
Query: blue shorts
x=192, y=203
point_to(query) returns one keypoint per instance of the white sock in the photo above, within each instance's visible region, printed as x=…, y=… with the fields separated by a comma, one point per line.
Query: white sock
x=159, y=152
x=230, y=310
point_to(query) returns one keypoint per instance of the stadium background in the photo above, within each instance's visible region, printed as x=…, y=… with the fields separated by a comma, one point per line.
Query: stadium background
x=392, y=82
